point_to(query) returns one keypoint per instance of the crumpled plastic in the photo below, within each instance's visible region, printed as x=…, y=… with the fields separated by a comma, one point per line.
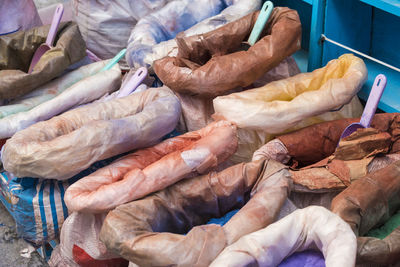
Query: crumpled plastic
x=302, y=229
x=16, y=52
x=153, y=231
x=197, y=110
x=153, y=36
x=105, y=25
x=18, y=16
x=278, y=108
x=82, y=92
x=49, y=90
x=202, y=59
x=379, y=252
x=302, y=151
x=281, y=105
x=368, y=202
x=69, y=143
x=80, y=245
x=149, y=170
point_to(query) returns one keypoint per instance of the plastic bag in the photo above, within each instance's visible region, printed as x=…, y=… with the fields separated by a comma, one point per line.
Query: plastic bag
x=302, y=151
x=149, y=170
x=293, y=103
x=302, y=229
x=153, y=36
x=203, y=59
x=153, y=231
x=18, y=16
x=80, y=245
x=17, y=50
x=84, y=91
x=66, y=144
x=197, y=110
x=105, y=25
x=369, y=202
x=50, y=90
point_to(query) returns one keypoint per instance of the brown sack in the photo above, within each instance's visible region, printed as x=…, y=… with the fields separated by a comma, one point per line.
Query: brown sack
x=325, y=136
x=208, y=64
x=377, y=252
x=16, y=52
x=369, y=202
x=165, y=228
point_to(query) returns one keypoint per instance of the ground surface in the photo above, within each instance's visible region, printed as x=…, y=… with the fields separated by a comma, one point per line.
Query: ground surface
x=11, y=245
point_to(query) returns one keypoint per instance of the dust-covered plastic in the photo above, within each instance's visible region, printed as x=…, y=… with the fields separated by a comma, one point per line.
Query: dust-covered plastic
x=66, y=144
x=16, y=52
x=204, y=59
x=168, y=228
x=153, y=37
x=149, y=170
x=82, y=92
x=300, y=230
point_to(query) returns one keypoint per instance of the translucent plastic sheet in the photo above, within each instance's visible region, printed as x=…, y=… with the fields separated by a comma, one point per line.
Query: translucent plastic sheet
x=71, y=142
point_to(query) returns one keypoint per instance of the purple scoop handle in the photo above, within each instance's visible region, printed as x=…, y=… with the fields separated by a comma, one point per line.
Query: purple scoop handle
x=54, y=25
x=133, y=82
x=373, y=100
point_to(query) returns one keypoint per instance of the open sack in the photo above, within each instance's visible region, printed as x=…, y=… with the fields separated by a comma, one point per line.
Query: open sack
x=134, y=176
x=152, y=169
x=66, y=144
x=309, y=227
x=325, y=94
x=81, y=92
x=153, y=36
x=202, y=59
x=16, y=52
x=370, y=162
x=153, y=231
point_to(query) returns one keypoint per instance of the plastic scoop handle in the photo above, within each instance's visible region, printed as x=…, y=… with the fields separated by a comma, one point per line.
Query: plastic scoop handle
x=114, y=60
x=134, y=81
x=373, y=100
x=262, y=19
x=54, y=25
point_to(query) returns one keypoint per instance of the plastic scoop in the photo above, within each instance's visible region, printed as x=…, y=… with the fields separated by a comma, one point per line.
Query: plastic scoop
x=114, y=60
x=262, y=19
x=43, y=48
x=134, y=81
x=370, y=107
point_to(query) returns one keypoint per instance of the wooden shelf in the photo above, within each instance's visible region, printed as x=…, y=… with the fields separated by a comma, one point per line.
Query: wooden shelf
x=390, y=6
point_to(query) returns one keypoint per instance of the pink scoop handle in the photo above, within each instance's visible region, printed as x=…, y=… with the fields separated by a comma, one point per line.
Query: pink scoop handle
x=133, y=82
x=54, y=25
x=373, y=100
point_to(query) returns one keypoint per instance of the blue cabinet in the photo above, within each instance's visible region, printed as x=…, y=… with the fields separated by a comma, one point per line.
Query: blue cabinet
x=369, y=26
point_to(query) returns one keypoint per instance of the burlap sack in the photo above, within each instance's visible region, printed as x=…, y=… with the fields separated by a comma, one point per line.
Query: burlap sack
x=16, y=52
